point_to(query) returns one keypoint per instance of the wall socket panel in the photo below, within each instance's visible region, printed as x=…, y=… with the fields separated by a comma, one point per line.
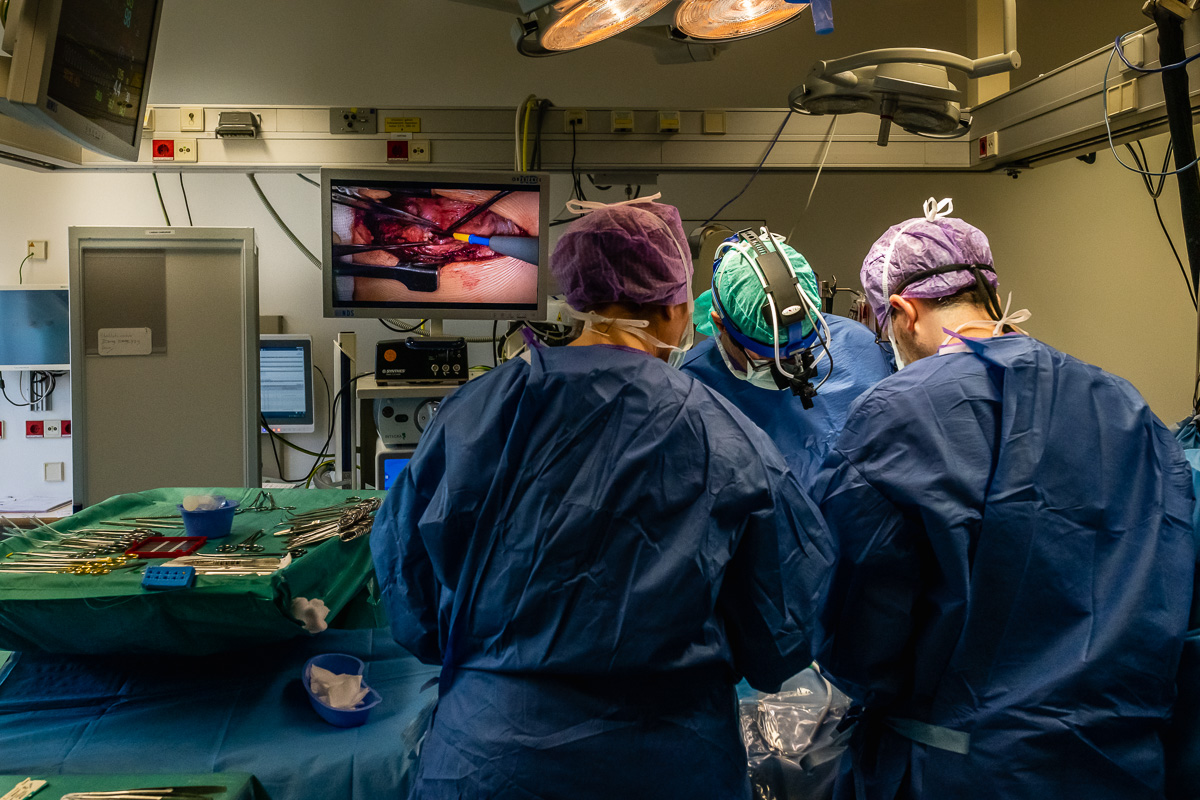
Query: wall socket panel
x=35, y=248
x=578, y=116
x=353, y=120
x=191, y=118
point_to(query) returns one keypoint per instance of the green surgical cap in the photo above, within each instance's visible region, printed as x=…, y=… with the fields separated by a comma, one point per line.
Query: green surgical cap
x=743, y=296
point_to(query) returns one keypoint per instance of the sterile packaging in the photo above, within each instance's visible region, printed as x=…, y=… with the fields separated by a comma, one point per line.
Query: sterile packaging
x=795, y=738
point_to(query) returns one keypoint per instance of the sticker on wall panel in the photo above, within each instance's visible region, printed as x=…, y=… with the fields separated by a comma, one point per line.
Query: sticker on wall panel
x=125, y=341
x=401, y=124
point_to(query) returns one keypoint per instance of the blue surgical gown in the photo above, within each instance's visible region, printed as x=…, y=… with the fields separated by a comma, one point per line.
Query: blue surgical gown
x=804, y=436
x=595, y=547
x=1014, y=562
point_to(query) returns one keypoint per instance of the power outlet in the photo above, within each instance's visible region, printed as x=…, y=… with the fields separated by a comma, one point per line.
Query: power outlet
x=622, y=121
x=66, y=428
x=419, y=150
x=35, y=248
x=989, y=146
x=163, y=149
x=34, y=429
x=185, y=150
x=575, y=119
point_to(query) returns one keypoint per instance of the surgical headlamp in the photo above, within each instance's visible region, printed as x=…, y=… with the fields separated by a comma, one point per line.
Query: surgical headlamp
x=786, y=309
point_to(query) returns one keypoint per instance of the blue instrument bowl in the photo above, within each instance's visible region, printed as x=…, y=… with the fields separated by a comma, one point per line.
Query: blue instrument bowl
x=212, y=524
x=339, y=664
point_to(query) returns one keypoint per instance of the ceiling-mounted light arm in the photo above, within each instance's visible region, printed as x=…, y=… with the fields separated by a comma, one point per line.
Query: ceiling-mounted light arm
x=525, y=37
x=840, y=72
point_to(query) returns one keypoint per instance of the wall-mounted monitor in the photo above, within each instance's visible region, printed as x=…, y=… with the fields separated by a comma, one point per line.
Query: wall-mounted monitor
x=441, y=245
x=82, y=68
x=285, y=383
x=35, y=324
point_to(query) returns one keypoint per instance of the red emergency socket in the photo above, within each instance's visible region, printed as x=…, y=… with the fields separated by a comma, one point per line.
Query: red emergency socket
x=163, y=150
x=397, y=150
x=34, y=429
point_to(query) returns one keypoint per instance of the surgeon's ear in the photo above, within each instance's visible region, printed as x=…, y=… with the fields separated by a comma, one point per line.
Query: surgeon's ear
x=905, y=312
x=716, y=321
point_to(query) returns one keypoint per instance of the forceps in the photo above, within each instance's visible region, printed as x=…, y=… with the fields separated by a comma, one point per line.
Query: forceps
x=246, y=546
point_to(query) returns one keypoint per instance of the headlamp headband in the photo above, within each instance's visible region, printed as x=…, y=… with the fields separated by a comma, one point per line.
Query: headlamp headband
x=992, y=301
x=784, y=299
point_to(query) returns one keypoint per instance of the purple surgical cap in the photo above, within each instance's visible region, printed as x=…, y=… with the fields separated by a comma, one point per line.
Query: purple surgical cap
x=921, y=244
x=634, y=253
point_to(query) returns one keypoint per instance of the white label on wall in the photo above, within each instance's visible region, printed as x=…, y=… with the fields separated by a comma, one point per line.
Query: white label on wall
x=124, y=341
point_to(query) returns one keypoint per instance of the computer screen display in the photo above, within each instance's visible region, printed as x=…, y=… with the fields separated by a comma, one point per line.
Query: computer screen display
x=101, y=60
x=412, y=244
x=35, y=324
x=285, y=383
x=392, y=467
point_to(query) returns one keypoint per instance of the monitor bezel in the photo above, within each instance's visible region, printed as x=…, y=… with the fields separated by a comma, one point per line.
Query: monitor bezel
x=310, y=424
x=538, y=180
x=42, y=287
x=29, y=80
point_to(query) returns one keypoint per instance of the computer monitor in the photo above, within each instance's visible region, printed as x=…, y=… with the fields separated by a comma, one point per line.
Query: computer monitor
x=435, y=244
x=35, y=325
x=285, y=383
x=82, y=68
x=389, y=463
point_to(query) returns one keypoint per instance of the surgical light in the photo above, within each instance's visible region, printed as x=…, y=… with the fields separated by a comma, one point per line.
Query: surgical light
x=733, y=19
x=590, y=21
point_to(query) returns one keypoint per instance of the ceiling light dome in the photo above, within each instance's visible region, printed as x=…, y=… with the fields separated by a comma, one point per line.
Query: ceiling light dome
x=733, y=19
x=590, y=21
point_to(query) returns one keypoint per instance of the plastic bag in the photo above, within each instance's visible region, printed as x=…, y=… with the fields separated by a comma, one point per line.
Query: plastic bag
x=795, y=738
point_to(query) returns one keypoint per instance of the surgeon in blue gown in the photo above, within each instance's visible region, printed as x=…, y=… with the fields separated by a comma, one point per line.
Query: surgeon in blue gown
x=596, y=547
x=744, y=378
x=1015, y=553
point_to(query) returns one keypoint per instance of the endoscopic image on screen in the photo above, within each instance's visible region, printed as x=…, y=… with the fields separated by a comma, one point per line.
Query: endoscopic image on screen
x=419, y=245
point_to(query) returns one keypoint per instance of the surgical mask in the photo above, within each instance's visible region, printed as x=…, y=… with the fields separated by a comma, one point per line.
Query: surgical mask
x=637, y=327
x=895, y=349
x=1011, y=319
x=759, y=375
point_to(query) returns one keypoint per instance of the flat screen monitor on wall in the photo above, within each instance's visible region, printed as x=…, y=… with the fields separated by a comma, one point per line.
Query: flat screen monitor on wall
x=35, y=328
x=423, y=244
x=285, y=383
x=82, y=68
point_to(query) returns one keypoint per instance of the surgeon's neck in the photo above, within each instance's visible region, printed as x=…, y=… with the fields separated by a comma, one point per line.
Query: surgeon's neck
x=664, y=326
x=922, y=325
x=603, y=333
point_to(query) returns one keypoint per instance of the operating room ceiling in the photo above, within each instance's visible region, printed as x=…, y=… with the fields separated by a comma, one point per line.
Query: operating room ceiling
x=451, y=53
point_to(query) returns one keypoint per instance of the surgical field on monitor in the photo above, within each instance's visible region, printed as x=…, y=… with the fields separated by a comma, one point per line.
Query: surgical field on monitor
x=399, y=245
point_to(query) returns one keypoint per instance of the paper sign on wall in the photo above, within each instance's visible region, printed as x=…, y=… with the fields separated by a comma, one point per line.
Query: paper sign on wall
x=402, y=124
x=125, y=342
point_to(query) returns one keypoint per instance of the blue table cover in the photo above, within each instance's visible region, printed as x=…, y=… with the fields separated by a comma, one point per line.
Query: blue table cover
x=235, y=712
